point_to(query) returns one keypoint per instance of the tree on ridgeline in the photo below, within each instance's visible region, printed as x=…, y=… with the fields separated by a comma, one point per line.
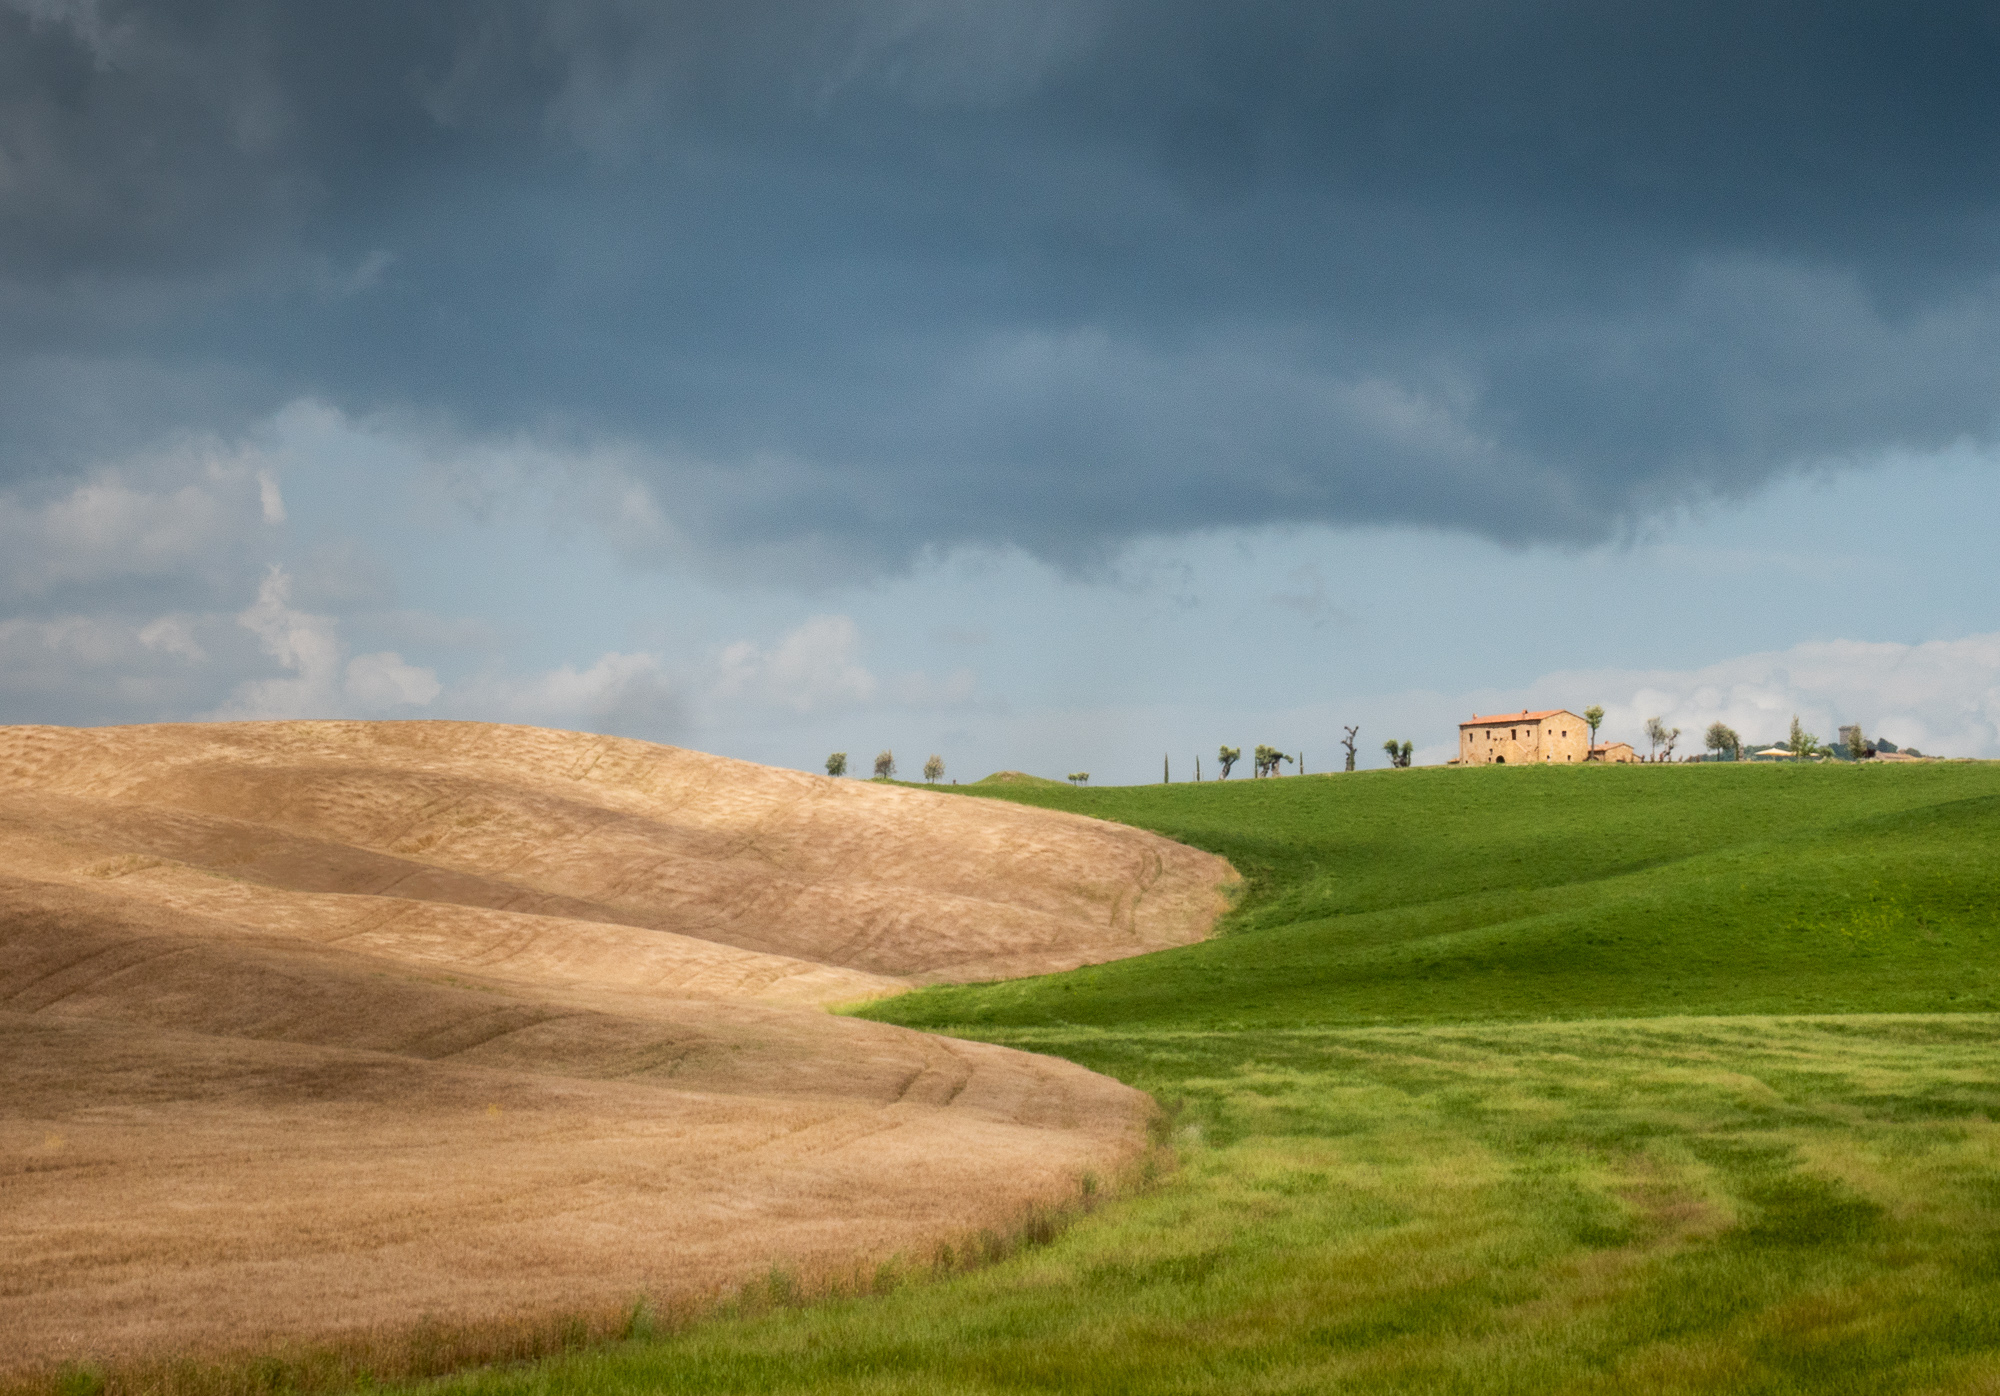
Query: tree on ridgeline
x=1229, y=756
x=1348, y=742
x=885, y=765
x=1800, y=742
x=1268, y=758
x=1409, y=750
x=1657, y=736
x=1594, y=715
x=836, y=764
x=1722, y=738
x=1857, y=744
x=1079, y=777
x=934, y=769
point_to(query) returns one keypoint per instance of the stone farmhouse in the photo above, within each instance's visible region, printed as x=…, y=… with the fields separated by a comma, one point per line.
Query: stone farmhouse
x=1524, y=738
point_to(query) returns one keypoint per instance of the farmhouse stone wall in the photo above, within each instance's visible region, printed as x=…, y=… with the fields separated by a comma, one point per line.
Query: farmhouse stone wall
x=1555, y=738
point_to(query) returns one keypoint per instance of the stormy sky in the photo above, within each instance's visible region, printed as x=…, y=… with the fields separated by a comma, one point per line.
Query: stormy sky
x=1056, y=382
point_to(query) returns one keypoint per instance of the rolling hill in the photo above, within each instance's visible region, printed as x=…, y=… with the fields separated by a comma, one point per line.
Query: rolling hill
x=1597, y=1082
x=316, y=1029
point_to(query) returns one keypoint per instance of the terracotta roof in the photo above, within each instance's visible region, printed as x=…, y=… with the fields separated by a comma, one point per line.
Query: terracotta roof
x=1523, y=716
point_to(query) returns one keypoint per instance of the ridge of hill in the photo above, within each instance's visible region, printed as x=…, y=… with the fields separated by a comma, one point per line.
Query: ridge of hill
x=1471, y=895
x=1018, y=778
x=313, y=1027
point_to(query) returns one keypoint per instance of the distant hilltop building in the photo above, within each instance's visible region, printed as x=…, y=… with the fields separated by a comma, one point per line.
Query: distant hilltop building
x=1524, y=738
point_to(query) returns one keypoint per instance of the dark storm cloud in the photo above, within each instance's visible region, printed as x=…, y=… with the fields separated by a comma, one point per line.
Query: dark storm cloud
x=872, y=276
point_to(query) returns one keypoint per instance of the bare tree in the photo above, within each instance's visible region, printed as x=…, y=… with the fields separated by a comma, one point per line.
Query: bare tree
x=1348, y=742
x=1656, y=736
x=885, y=765
x=934, y=769
x=1229, y=756
x=1673, y=735
x=836, y=764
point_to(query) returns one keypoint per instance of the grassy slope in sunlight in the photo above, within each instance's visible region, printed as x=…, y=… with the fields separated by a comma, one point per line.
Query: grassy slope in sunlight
x=1770, y=1165
x=1447, y=895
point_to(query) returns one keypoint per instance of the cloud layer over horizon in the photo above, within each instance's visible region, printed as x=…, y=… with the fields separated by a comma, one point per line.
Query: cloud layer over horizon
x=837, y=285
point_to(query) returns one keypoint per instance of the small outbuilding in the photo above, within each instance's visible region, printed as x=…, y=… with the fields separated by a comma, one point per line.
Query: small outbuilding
x=1615, y=754
x=1554, y=737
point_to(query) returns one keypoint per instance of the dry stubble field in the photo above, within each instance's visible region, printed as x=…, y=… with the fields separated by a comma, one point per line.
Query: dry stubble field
x=317, y=1029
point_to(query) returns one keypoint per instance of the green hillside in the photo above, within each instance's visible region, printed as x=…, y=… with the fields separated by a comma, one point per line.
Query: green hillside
x=1649, y=1080
x=1447, y=895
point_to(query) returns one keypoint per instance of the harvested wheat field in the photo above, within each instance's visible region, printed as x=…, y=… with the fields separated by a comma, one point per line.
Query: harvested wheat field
x=315, y=1029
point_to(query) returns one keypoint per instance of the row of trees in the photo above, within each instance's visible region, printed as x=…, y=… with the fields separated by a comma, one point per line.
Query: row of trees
x=1269, y=758
x=1723, y=740
x=1267, y=761
x=885, y=766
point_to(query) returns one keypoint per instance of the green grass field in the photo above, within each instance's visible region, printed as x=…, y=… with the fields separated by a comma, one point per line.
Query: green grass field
x=1608, y=1080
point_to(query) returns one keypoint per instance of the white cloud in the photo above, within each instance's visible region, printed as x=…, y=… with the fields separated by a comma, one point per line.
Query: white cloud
x=273, y=503
x=383, y=680
x=628, y=695
x=173, y=635
x=322, y=681
x=812, y=669
x=83, y=670
x=307, y=645
x=82, y=19
x=171, y=518
x=1942, y=696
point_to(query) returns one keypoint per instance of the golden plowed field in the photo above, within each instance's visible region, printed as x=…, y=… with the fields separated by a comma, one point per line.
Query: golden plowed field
x=313, y=1029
